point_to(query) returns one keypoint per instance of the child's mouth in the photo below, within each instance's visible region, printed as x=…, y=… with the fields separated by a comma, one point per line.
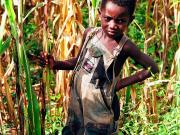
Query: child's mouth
x=110, y=32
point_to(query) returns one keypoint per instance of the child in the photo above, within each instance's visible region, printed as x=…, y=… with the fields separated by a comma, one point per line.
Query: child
x=93, y=108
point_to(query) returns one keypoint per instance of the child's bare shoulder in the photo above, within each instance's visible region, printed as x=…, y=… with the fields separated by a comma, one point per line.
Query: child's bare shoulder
x=87, y=30
x=131, y=47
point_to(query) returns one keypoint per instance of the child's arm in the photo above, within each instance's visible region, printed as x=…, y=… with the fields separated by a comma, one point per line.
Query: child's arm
x=149, y=66
x=66, y=64
x=62, y=65
x=56, y=65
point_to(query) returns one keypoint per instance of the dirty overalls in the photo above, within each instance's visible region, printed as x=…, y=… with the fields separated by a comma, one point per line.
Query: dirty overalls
x=90, y=111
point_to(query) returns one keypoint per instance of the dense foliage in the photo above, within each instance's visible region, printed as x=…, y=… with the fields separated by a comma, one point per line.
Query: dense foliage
x=33, y=100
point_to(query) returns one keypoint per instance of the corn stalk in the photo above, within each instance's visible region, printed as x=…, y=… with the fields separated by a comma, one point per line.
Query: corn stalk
x=16, y=29
x=173, y=88
x=93, y=12
x=5, y=89
x=68, y=28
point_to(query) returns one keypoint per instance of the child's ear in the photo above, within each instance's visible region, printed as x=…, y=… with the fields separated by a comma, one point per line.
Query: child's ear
x=99, y=14
x=99, y=11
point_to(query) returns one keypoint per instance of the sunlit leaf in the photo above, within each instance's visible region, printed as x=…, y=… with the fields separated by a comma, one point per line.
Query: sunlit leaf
x=5, y=45
x=33, y=106
x=94, y=3
x=3, y=22
x=12, y=17
x=38, y=5
x=178, y=32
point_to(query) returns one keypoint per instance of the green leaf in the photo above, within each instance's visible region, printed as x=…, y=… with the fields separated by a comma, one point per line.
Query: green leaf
x=38, y=5
x=178, y=32
x=128, y=94
x=33, y=106
x=5, y=45
x=10, y=10
x=3, y=23
x=12, y=17
x=94, y=3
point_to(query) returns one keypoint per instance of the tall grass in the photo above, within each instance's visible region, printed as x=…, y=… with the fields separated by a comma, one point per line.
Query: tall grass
x=59, y=32
x=33, y=126
x=93, y=6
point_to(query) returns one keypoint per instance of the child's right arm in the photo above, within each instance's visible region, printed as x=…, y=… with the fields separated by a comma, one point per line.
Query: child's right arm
x=149, y=66
x=62, y=65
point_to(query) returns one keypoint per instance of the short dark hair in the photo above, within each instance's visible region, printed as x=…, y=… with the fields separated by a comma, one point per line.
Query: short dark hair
x=129, y=4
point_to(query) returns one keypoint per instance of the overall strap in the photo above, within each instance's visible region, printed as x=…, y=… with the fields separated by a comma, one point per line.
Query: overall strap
x=89, y=36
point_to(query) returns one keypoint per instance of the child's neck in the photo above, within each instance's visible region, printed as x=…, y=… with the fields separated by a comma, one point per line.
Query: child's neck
x=108, y=42
x=106, y=38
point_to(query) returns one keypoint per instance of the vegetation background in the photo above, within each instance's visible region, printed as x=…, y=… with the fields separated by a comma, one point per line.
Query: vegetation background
x=33, y=100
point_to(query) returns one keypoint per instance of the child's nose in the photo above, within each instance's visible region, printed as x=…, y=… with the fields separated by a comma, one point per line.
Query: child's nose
x=112, y=24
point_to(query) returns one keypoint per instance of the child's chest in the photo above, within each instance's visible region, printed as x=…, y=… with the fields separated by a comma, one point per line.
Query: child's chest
x=100, y=60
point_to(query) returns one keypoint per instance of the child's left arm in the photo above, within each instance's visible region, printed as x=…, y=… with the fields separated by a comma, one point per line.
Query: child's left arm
x=149, y=66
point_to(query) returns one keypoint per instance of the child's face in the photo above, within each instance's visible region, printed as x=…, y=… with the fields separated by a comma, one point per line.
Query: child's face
x=114, y=19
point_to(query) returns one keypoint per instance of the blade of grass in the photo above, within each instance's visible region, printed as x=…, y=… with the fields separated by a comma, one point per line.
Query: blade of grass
x=94, y=3
x=10, y=101
x=5, y=45
x=12, y=17
x=33, y=107
x=128, y=95
x=38, y=5
x=178, y=33
x=3, y=22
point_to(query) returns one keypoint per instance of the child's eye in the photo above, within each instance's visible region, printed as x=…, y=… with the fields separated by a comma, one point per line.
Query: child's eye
x=107, y=19
x=121, y=20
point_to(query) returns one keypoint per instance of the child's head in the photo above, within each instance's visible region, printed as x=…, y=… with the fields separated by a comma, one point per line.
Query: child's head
x=115, y=16
x=129, y=4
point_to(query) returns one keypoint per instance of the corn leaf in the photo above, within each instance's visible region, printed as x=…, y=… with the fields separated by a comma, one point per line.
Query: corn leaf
x=177, y=59
x=128, y=94
x=9, y=8
x=38, y=5
x=3, y=22
x=9, y=101
x=94, y=3
x=178, y=32
x=12, y=17
x=33, y=106
x=5, y=45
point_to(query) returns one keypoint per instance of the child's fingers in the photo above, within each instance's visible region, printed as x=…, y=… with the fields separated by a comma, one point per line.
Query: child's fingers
x=43, y=54
x=43, y=59
x=46, y=59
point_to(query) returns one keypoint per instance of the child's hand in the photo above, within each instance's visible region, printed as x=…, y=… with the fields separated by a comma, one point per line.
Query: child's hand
x=43, y=59
x=50, y=61
x=46, y=60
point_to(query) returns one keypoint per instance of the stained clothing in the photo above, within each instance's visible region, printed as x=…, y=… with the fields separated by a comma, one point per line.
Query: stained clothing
x=90, y=109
